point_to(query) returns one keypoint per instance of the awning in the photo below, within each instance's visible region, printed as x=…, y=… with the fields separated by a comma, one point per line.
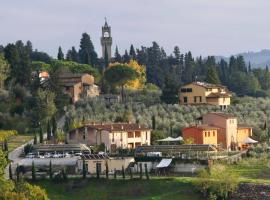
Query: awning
x=170, y=139
x=248, y=140
x=164, y=163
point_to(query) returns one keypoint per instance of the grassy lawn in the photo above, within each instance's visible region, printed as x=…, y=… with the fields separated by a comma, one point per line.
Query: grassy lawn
x=92, y=189
x=256, y=170
x=18, y=140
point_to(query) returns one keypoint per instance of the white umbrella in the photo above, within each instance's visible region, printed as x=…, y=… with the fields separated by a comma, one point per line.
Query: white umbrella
x=170, y=139
x=248, y=140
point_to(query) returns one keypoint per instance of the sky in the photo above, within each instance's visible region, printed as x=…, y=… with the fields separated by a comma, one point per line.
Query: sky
x=204, y=27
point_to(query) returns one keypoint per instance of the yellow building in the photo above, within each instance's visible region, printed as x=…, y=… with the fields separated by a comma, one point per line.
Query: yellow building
x=196, y=93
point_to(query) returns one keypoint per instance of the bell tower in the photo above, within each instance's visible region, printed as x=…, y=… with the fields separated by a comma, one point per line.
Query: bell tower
x=106, y=40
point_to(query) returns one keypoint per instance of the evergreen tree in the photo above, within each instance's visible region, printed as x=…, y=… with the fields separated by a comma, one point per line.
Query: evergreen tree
x=72, y=55
x=33, y=171
x=48, y=131
x=97, y=170
x=188, y=75
x=123, y=172
x=60, y=55
x=146, y=171
x=132, y=52
x=87, y=54
x=17, y=173
x=140, y=165
x=170, y=92
x=126, y=57
x=41, y=140
x=153, y=122
x=84, y=169
x=50, y=170
x=35, y=139
x=5, y=145
x=212, y=76
x=249, y=67
x=10, y=172
x=54, y=128
x=107, y=170
x=117, y=56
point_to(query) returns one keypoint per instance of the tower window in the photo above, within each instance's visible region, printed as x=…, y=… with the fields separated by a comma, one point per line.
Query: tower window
x=106, y=34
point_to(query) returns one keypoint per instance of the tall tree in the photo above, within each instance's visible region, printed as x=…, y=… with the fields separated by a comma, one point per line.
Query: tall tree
x=126, y=57
x=117, y=56
x=60, y=55
x=4, y=71
x=170, y=92
x=87, y=52
x=132, y=52
x=119, y=75
x=20, y=65
x=72, y=55
x=212, y=76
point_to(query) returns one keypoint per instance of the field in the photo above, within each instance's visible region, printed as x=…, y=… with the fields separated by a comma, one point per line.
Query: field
x=92, y=189
x=253, y=170
x=18, y=140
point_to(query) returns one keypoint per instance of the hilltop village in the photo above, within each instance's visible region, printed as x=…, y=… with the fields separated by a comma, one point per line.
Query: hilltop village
x=80, y=117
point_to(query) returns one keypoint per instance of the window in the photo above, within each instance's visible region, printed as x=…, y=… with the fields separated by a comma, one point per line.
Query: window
x=214, y=133
x=130, y=135
x=137, y=134
x=84, y=135
x=200, y=98
x=208, y=134
x=195, y=99
x=146, y=136
x=205, y=134
x=185, y=99
x=184, y=90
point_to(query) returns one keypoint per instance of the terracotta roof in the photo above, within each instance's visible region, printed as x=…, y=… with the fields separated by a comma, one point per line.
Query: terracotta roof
x=113, y=127
x=240, y=126
x=203, y=127
x=226, y=115
x=207, y=85
x=218, y=95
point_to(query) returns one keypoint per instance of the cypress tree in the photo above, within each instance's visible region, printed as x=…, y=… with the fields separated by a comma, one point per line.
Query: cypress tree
x=123, y=172
x=40, y=135
x=126, y=57
x=10, y=172
x=5, y=145
x=48, y=131
x=132, y=52
x=131, y=173
x=97, y=170
x=117, y=56
x=140, y=165
x=60, y=55
x=84, y=169
x=107, y=170
x=212, y=76
x=18, y=173
x=54, y=127
x=50, y=170
x=35, y=139
x=146, y=171
x=153, y=122
x=33, y=171
x=115, y=174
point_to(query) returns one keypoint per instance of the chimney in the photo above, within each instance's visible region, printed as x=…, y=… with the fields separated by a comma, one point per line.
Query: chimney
x=122, y=127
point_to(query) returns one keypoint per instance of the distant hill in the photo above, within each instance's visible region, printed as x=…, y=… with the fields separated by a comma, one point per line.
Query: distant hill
x=256, y=59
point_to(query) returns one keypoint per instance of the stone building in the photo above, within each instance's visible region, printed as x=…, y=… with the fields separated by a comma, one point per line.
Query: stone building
x=78, y=85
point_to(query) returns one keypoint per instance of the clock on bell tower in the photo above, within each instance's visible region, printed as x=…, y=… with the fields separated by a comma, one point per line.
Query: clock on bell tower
x=106, y=40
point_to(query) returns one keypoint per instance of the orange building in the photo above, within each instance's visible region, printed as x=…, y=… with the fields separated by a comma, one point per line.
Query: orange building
x=201, y=134
x=230, y=135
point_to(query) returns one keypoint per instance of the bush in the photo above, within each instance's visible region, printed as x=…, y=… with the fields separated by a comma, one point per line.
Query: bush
x=217, y=181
